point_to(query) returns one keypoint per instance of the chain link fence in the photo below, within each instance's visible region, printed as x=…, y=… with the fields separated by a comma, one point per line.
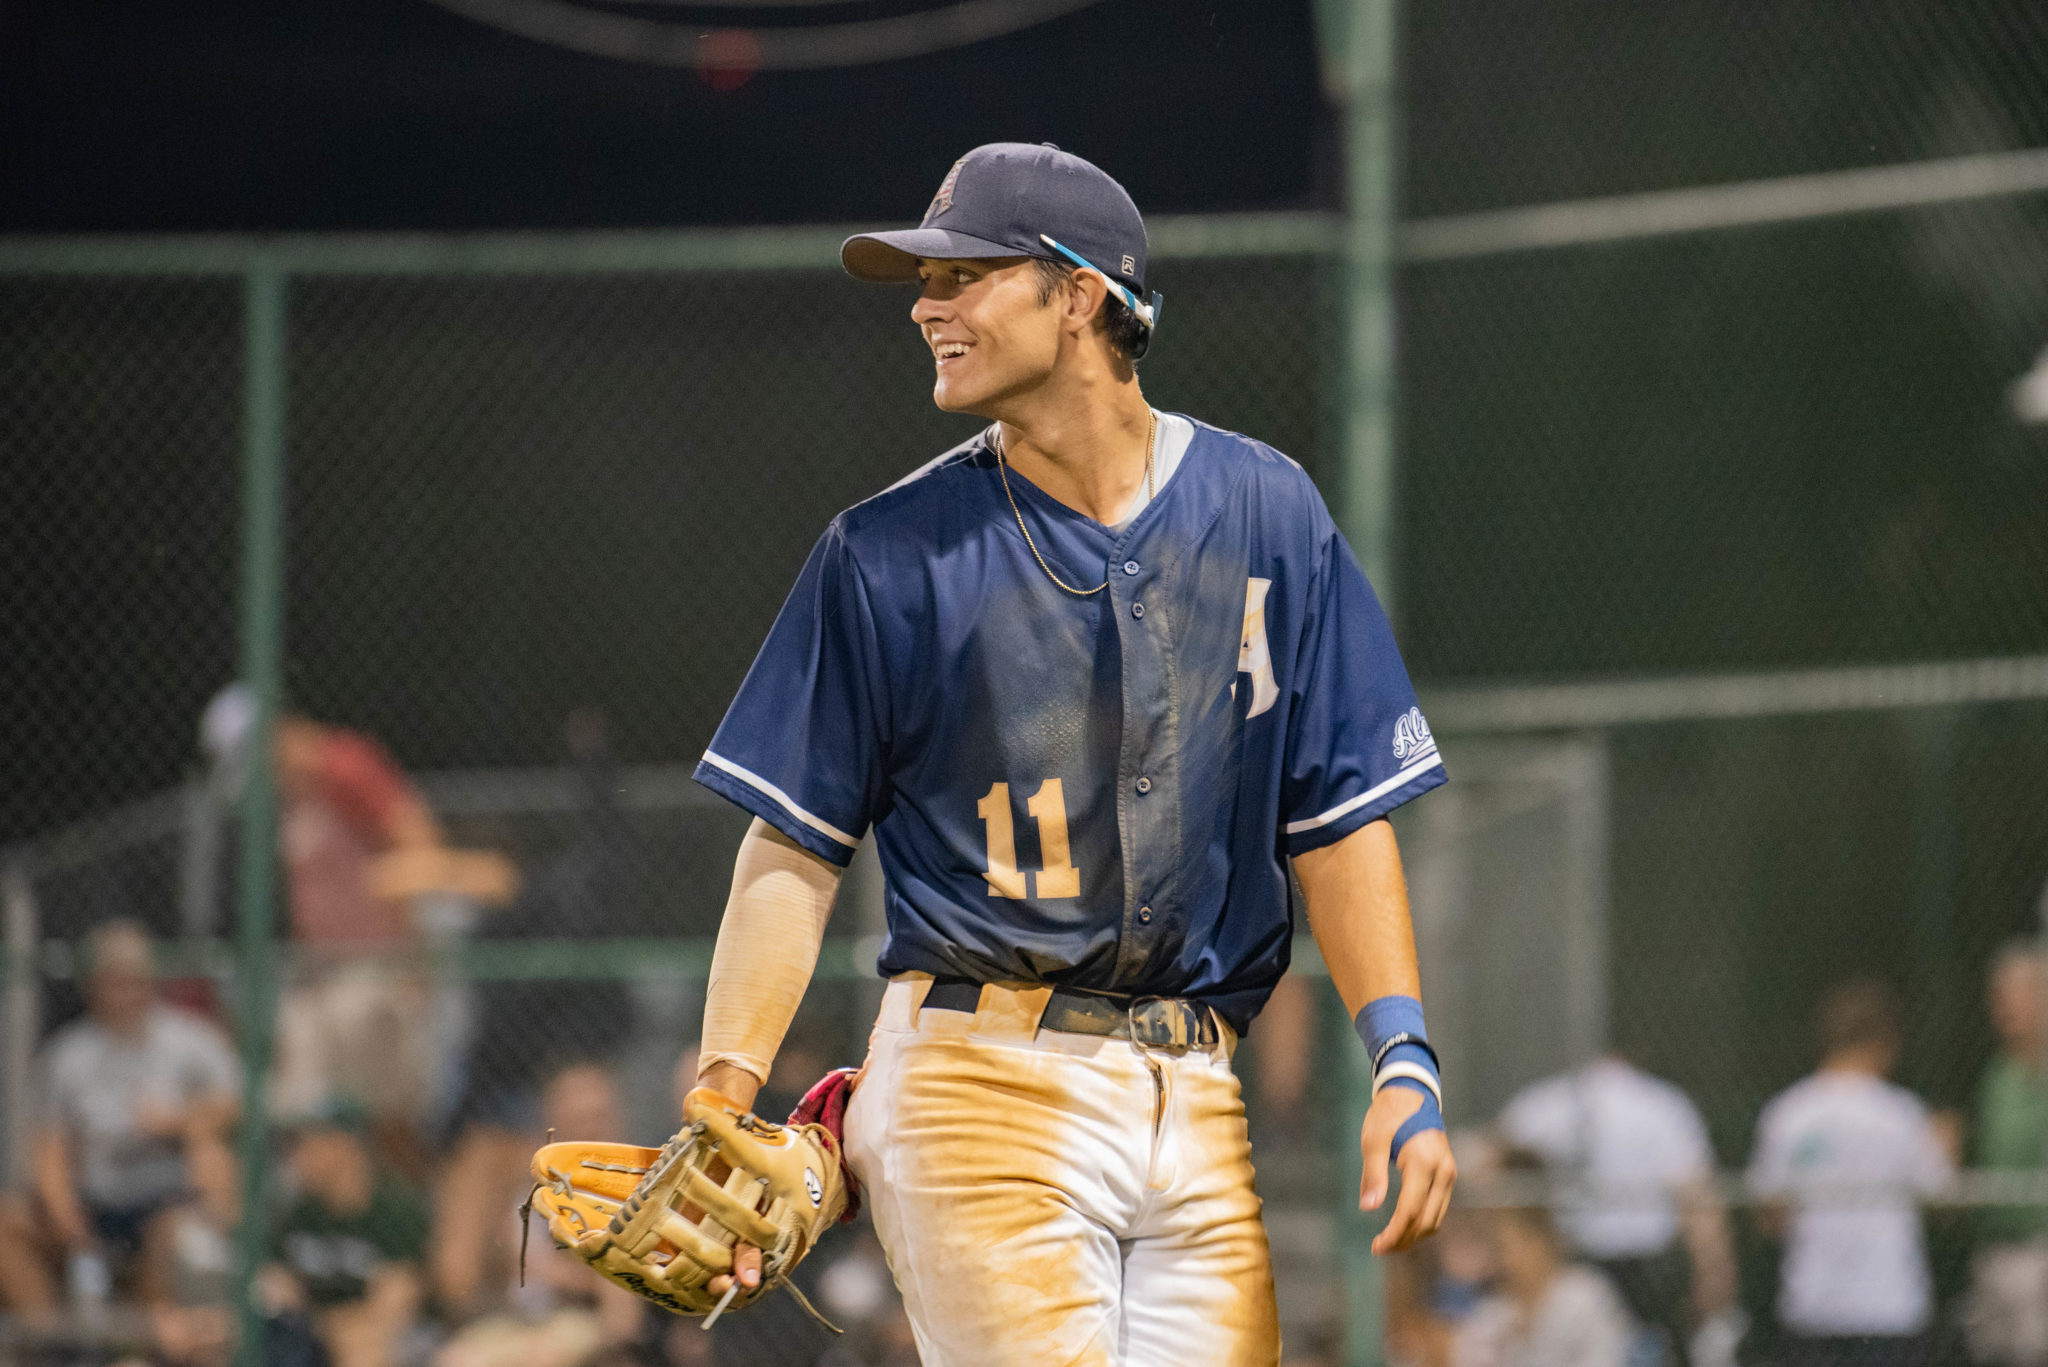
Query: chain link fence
x=1715, y=412
x=1689, y=488
x=536, y=522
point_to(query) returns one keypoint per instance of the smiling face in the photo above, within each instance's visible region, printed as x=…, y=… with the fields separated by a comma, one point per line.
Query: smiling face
x=991, y=330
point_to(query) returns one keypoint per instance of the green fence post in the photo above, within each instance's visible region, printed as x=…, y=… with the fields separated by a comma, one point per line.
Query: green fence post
x=1360, y=73
x=262, y=635
x=1367, y=499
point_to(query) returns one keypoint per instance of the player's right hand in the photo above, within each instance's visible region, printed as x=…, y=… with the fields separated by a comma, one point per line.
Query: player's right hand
x=746, y=1264
x=742, y=1087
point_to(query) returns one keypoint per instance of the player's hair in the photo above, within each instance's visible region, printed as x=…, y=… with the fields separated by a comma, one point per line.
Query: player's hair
x=1126, y=333
x=1860, y=1015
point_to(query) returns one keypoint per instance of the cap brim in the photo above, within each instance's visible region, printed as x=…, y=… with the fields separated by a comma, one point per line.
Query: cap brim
x=891, y=258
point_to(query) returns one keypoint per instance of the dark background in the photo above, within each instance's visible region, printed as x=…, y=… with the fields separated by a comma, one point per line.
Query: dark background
x=119, y=115
x=1768, y=448
x=1771, y=447
x=237, y=114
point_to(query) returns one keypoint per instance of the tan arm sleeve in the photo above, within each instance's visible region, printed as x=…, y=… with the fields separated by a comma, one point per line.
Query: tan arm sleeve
x=767, y=949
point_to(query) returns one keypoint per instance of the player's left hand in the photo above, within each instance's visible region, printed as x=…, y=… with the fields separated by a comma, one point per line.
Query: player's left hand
x=1428, y=1172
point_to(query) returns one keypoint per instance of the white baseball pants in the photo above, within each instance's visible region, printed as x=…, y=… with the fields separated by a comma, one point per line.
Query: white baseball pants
x=1059, y=1200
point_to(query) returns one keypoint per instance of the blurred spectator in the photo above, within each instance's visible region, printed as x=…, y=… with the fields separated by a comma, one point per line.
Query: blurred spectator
x=1635, y=1150
x=595, y=887
x=1434, y=1288
x=359, y=845
x=1841, y=1160
x=855, y=1288
x=1545, y=1311
x=1283, y=1057
x=2007, y=1314
x=1320, y=1347
x=204, y=1336
x=478, y=1236
x=348, y=1250
x=1425, y=1300
x=138, y=1099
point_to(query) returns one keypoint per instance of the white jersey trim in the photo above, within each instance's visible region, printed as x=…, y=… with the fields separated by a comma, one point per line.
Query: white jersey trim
x=767, y=789
x=1346, y=808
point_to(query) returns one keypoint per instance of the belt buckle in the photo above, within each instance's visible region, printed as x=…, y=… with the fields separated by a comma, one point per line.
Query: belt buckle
x=1164, y=1023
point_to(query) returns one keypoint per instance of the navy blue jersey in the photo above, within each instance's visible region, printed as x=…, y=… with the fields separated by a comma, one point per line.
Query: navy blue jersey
x=1097, y=792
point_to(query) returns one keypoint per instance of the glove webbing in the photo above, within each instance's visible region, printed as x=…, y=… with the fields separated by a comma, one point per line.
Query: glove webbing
x=681, y=1148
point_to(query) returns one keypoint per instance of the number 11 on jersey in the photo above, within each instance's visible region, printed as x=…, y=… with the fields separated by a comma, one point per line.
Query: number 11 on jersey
x=1048, y=807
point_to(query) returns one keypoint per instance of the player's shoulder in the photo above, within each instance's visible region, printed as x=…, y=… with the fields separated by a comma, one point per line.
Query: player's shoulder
x=918, y=502
x=1235, y=453
x=946, y=494
x=1263, y=476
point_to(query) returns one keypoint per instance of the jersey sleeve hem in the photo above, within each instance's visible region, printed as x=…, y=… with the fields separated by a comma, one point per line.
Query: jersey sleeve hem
x=1327, y=828
x=746, y=789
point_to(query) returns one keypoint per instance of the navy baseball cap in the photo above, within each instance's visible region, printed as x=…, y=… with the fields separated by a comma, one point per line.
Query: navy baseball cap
x=1019, y=199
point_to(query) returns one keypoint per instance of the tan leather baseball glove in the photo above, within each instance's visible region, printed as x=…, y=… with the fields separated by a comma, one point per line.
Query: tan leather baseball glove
x=663, y=1222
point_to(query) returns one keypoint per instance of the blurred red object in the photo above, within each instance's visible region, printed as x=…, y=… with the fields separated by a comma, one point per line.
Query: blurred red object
x=729, y=58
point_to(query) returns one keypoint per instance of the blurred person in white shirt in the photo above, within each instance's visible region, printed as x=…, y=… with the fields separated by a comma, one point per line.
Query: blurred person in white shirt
x=130, y=1159
x=1842, y=1159
x=1634, y=1152
x=1544, y=1311
x=542, y=1307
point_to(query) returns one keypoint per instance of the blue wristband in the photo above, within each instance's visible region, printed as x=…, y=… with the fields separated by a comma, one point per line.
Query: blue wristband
x=1393, y=1032
x=1386, y=1019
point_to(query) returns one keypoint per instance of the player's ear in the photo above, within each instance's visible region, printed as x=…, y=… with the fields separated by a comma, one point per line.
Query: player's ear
x=1084, y=295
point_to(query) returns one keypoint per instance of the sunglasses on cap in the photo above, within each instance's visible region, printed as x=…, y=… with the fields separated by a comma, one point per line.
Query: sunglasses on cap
x=1147, y=312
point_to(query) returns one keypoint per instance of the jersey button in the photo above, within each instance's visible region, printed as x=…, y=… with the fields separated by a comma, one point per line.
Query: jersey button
x=1130, y=567
x=1137, y=609
x=1145, y=915
x=1144, y=785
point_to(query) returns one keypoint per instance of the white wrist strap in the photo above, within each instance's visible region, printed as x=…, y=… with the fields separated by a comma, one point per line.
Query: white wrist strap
x=1414, y=1071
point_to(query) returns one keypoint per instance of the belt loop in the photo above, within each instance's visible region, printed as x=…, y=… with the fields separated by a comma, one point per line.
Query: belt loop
x=1011, y=1010
x=920, y=986
x=1226, y=1038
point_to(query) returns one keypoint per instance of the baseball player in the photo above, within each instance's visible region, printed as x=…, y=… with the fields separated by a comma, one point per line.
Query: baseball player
x=1093, y=679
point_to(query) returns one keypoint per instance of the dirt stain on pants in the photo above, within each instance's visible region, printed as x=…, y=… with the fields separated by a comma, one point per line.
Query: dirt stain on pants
x=1050, y=1199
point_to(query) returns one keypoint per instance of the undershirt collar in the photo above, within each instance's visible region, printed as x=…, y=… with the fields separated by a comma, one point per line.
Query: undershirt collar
x=1176, y=434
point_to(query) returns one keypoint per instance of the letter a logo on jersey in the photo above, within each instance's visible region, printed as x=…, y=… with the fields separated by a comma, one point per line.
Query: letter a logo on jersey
x=1253, y=657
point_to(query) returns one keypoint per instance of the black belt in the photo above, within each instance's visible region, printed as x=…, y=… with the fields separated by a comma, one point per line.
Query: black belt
x=1172, y=1023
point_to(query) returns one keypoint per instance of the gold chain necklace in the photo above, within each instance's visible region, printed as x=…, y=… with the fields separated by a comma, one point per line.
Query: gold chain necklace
x=1151, y=436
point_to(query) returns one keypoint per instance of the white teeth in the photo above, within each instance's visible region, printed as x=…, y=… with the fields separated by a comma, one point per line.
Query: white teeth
x=948, y=350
